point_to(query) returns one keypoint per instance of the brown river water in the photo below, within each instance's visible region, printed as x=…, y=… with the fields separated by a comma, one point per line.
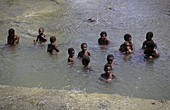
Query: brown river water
x=28, y=66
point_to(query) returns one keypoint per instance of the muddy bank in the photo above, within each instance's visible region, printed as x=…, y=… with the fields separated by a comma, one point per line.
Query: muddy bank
x=18, y=98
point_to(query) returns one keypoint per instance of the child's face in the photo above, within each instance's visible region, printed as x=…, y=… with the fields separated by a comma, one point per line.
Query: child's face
x=108, y=70
x=11, y=33
x=110, y=60
x=148, y=38
x=72, y=53
x=130, y=39
x=103, y=36
x=84, y=47
x=41, y=31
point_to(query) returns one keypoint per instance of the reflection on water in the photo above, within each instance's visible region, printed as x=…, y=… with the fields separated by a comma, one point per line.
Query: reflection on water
x=29, y=66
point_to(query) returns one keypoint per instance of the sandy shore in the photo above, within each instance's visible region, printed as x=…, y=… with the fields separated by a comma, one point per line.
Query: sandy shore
x=19, y=98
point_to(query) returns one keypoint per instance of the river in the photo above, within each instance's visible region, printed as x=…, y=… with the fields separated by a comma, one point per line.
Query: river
x=28, y=66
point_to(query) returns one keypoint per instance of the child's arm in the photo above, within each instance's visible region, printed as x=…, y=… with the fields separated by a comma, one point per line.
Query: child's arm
x=133, y=47
x=56, y=49
x=143, y=45
x=155, y=45
x=16, y=39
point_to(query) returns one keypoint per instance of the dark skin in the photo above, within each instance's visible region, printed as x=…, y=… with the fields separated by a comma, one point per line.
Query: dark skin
x=110, y=60
x=149, y=51
x=52, y=48
x=41, y=37
x=86, y=62
x=108, y=71
x=12, y=39
x=128, y=48
x=132, y=47
x=71, y=57
x=103, y=40
x=108, y=76
x=84, y=51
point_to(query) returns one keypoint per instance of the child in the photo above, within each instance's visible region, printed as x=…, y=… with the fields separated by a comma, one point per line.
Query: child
x=108, y=76
x=86, y=62
x=41, y=38
x=84, y=51
x=71, y=53
x=149, y=37
x=127, y=47
x=12, y=39
x=103, y=39
x=110, y=60
x=52, y=47
x=149, y=51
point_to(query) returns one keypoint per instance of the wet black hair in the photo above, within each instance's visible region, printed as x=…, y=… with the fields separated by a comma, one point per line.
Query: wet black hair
x=83, y=44
x=70, y=50
x=52, y=39
x=127, y=36
x=107, y=65
x=102, y=33
x=85, y=60
x=149, y=35
x=11, y=31
x=11, y=35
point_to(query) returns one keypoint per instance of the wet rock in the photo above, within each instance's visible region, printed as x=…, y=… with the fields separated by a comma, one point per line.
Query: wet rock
x=153, y=103
x=90, y=20
x=110, y=8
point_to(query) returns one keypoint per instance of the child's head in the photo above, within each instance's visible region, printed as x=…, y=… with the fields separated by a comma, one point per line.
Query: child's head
x=41, y=31
x=85, y=61
x=103, y=35
x=52, y=39
x=149, y=36
x=108, y=68
x=127, y=37
x=71, y=52
x=110, y=58
x=84, y=46
x=11, y=32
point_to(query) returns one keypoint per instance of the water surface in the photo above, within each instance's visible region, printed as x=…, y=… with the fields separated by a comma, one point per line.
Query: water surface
x=29, y=66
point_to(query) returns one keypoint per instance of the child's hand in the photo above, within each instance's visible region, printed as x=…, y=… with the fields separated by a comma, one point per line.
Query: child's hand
x=109, y=80
x=35, y=43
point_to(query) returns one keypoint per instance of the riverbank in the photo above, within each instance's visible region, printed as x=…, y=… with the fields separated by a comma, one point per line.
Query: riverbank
x=19, y=98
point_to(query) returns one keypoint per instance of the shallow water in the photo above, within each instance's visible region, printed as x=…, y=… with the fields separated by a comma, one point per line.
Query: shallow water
x=29, y=66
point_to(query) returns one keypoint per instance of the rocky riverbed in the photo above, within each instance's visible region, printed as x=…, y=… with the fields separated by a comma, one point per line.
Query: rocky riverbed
x=19, y=98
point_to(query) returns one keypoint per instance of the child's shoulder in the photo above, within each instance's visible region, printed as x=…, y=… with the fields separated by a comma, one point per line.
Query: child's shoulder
x=104, y=75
